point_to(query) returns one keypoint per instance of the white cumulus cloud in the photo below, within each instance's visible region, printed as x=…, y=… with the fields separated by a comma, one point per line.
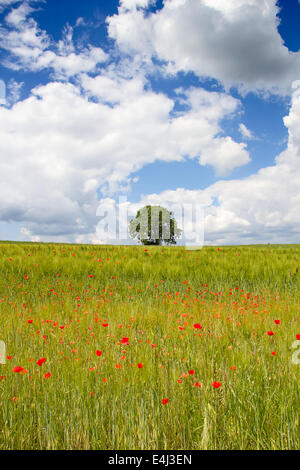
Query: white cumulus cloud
x=233, y=41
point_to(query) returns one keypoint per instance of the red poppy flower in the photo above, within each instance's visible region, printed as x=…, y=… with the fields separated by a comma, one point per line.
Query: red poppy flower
x=298, y=337
x=18, y=369
x=277, y=322
x=191, y=372
x=46, y=376
x=165, y=401
x=98, y=353
x=197, y=326
x=124, y=340
x=29, y=321
x=216, y=384
x=270, y=333
x=41, y=361
x=140, y=365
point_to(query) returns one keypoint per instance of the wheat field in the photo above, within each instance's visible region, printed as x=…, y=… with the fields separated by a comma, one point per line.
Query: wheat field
x=118, y=347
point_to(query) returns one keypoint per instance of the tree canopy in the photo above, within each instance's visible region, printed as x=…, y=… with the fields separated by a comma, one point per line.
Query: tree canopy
x=154, y=225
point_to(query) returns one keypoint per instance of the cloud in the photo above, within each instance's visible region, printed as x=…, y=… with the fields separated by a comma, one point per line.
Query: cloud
x=19, y=15
x=14, y=89
x=194, y=133
x=261, y=208
x=30, y=48
x=129, y=4
x=246, y=133
x=233, y=41
x=6, y=3
x=80, y=22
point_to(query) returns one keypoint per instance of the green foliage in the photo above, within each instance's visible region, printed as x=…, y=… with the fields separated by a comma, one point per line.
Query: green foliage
x=155, y=225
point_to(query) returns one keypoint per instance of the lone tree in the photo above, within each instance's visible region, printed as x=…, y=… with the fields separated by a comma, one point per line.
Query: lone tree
x=154, y=225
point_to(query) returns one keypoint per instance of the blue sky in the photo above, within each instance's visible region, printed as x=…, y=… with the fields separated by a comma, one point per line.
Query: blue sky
x=170, y=102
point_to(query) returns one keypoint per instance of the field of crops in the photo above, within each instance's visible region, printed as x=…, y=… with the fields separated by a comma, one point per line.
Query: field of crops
x=149, y=348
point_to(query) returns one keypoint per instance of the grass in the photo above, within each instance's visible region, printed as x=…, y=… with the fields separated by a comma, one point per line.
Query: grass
x=65, y=302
